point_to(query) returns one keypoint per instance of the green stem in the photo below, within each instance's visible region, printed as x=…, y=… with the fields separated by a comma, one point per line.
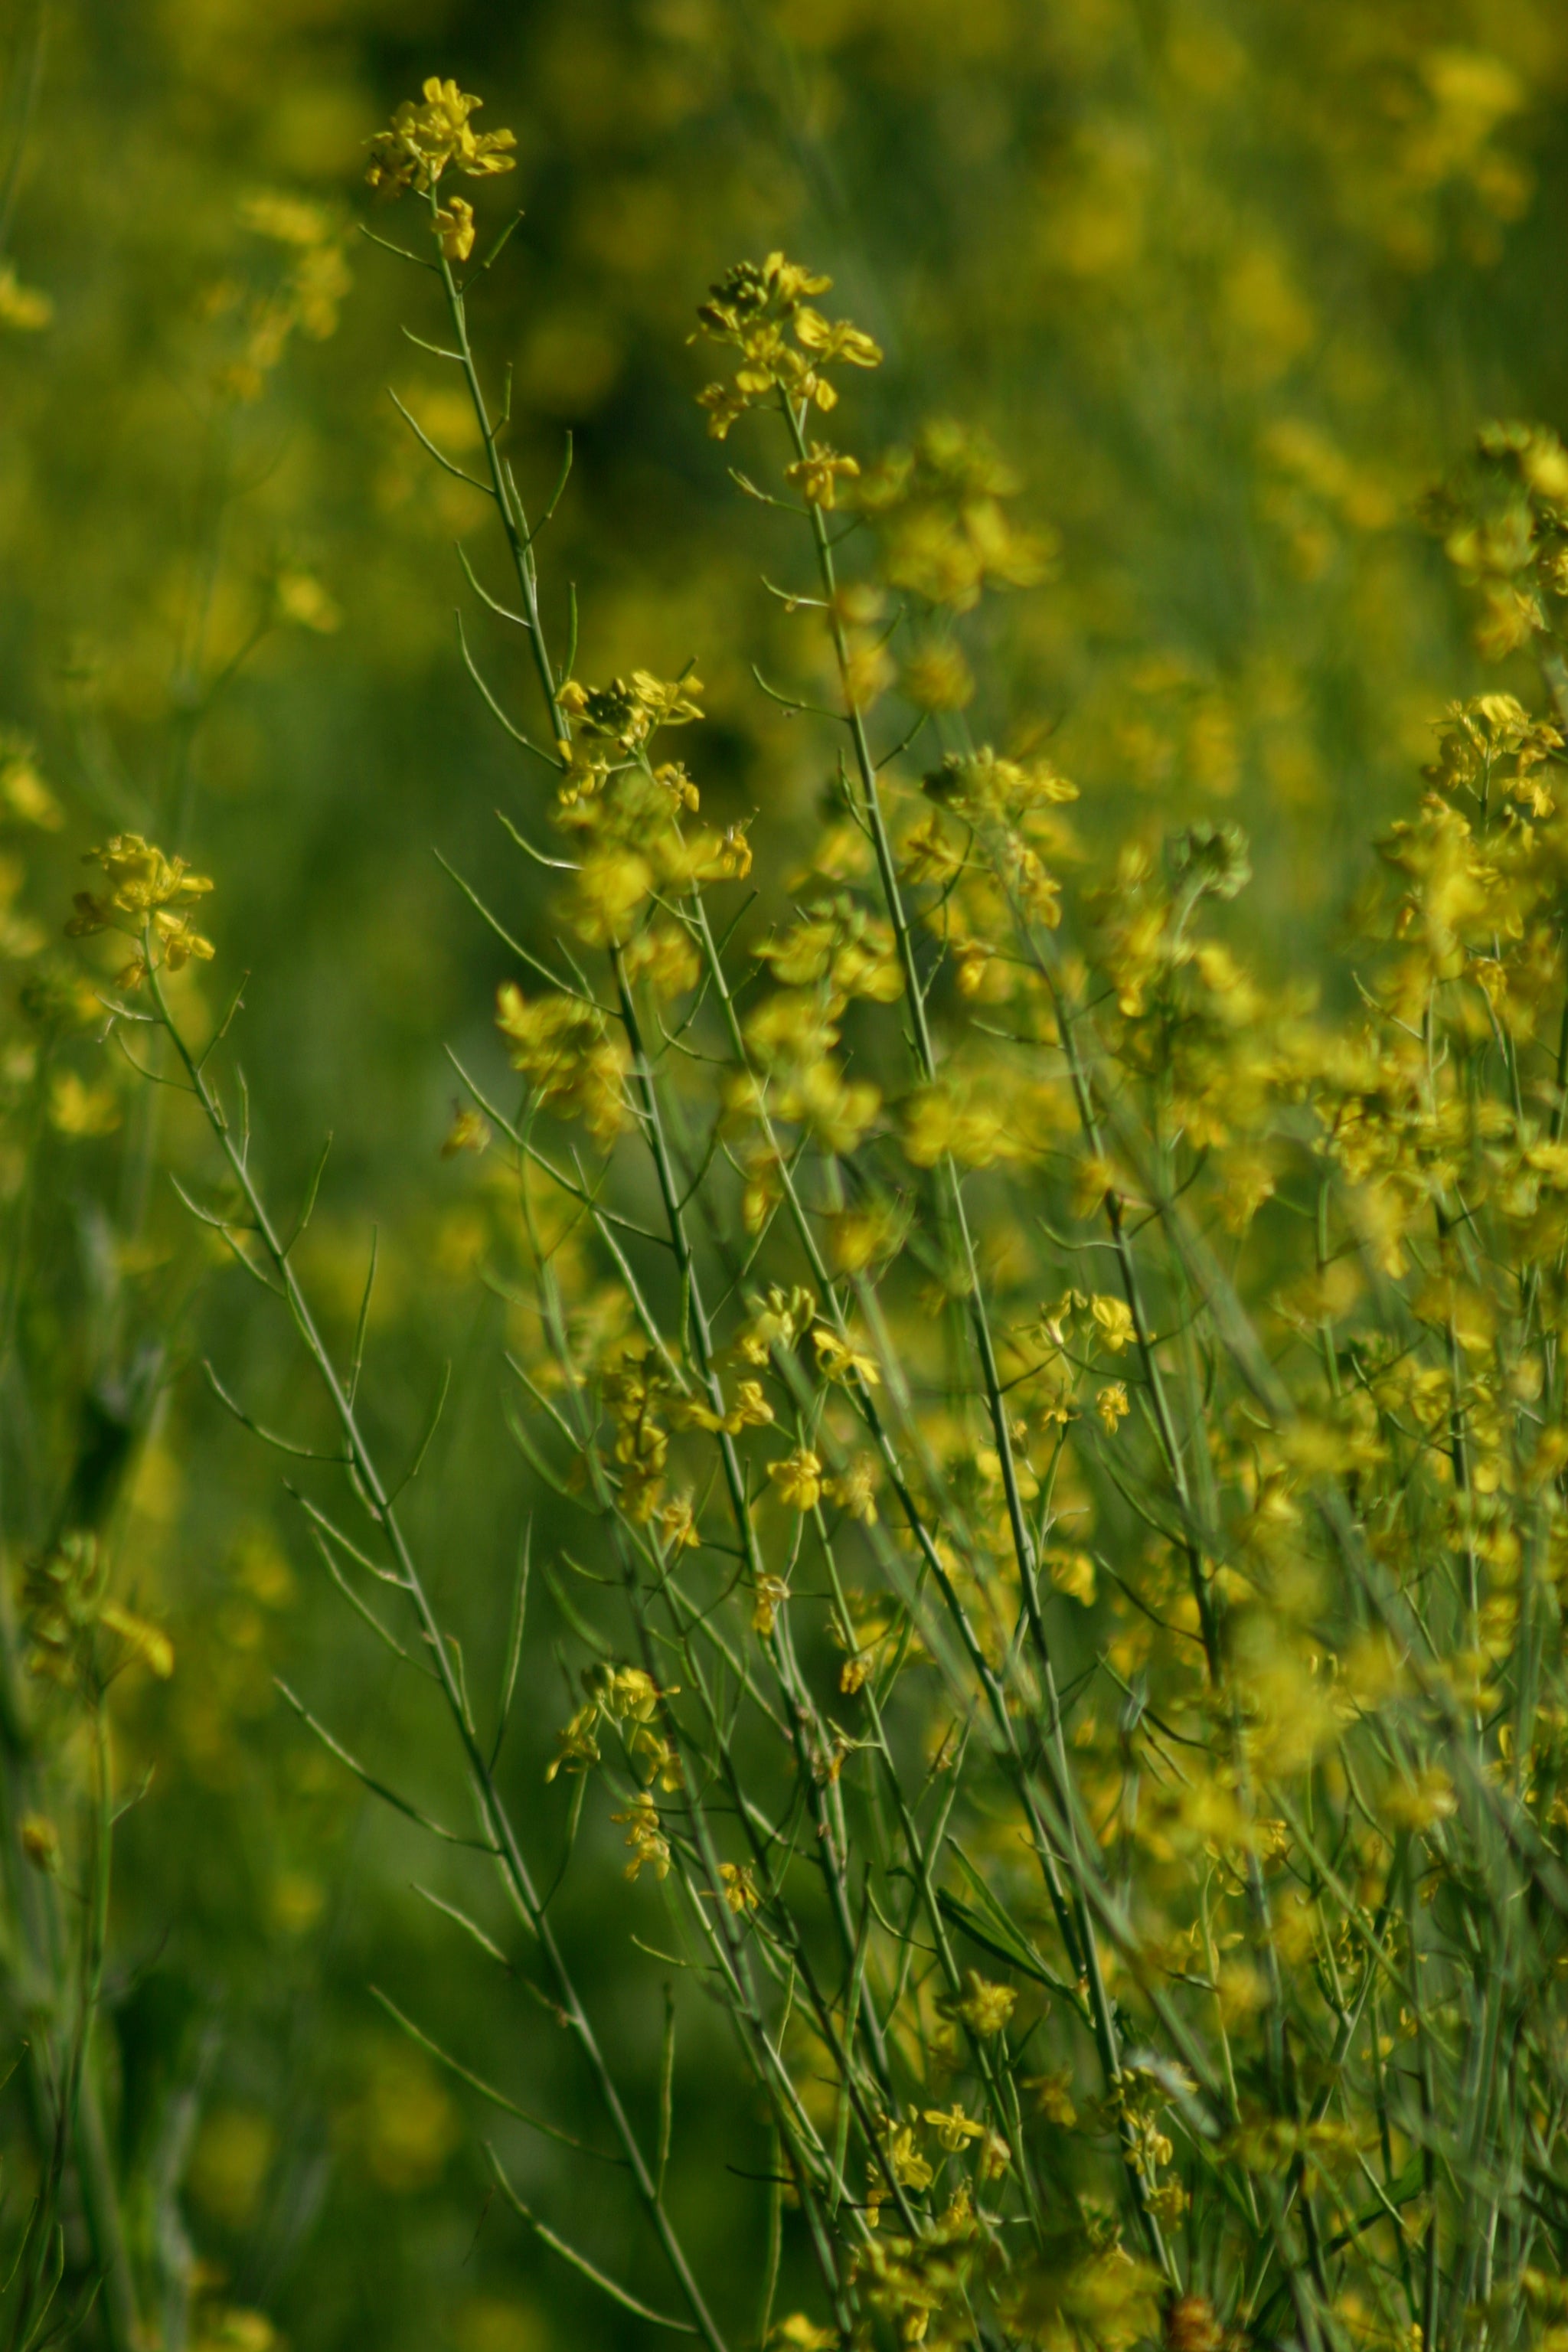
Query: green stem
x=381, y=1511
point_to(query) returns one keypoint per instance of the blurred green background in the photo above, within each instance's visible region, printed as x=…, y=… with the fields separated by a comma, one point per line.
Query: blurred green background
x=1230, y=285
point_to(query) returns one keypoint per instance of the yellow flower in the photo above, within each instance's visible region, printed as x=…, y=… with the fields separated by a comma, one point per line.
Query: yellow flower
x=798, y=1478
x=749, y=291
x=287, y=219
x=455, y=228
x=837, y=1111
x=470, y=1131
x=938, y=677
x=984, y=2008
x=22, y=308
x=1114, y=1318
x=817, y=474
x=663, y=959
x=750, y=1409
x=1417, y=1806
x=576, y=1748
x=562, y=1047
x=768, y=1599
x=953, y=2129
x=305, y=604
x=840, y=1360
x=857, y=1237
x=180, y=944
x=1053, y=2096
x=26, y=795
x=1112, y=1405
x=648, y=1844
x=658, y=1759
x=797, y=2333
x=1092, y=1179
x=856, y=1490
x=423, y=139
x=777, y=1323
x=1072, y=1572
x=145, y=897
x=841, y=341
x=608, y=890
x=757, y=310
x=143, y=1641
x=740, y=1887
x=936, y=1122
x=667, y=705
x=40, y=1840
x=910, y=2170
x=81, y=1110
x=626, y=712
x=141, y=882
x=625, y=1692
x=678, y=1525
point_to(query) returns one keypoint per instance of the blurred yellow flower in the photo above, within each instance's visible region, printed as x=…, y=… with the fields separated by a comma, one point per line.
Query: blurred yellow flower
x=22, y=308
x=303, y=602
x=81, y=1110
x=797, y=1480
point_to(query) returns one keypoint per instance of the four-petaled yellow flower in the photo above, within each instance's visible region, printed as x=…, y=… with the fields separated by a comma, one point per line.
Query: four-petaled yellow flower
x=840, y=341
x=816, y=476
x=953, y=2128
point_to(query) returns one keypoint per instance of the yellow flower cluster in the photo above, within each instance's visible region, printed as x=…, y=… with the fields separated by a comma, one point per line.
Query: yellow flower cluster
x=650, y=1847
x=563, y=1048
x=1504, y=524
x=306, y=298
x=628, y=817
x=941, y=511
x=146, y=898
x=627, y=1697
x=1138, y=1395
x=786, y=348
x=432, y=133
